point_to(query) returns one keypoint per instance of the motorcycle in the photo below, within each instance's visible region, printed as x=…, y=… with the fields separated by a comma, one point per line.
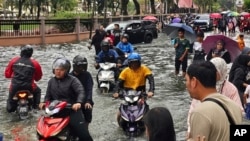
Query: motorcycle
x=132, y=112
x=54, y=124
x=24, y=99
x=106, y=77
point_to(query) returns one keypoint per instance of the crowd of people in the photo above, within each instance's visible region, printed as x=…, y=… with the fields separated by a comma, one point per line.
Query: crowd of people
x=214, y=92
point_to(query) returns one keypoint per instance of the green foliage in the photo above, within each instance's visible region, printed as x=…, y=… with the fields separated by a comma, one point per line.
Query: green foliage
x=247, y=4
x=70, y=15
x=131, y=6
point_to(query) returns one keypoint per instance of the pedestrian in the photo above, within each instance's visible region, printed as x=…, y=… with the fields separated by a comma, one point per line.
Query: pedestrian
x=219, y=51
x=181, y=45
x=239, y=74
x=96, y=41
x=117, y=33
x=241, y=42
x=223, y=86
x=199, y=53
x=247, y=102
x=203, y=120
x=80, y=66
x=65, y=87
x=159, y=125
x=23, y=71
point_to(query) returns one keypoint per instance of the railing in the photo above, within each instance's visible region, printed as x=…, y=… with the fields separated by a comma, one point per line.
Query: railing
x=13, y=28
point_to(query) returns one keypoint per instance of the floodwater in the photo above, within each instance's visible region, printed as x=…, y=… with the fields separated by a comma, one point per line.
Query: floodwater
x=158, y=56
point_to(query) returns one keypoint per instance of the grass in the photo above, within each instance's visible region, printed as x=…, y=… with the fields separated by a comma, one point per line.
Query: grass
x=22, y=27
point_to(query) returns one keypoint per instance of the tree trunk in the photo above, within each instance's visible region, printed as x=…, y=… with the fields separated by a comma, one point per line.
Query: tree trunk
x=38, y=8
x=20, y=5
x=124, y=4
x=137, y=7
x=152, y=5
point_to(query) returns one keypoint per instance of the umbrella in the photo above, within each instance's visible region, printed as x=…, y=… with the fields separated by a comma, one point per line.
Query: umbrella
x=172, y=31
x=225, y=12
x=244, y=13
x=152, y=18
x=233, y=14
x=215, y=15
x=230, y=44
x=176, y=20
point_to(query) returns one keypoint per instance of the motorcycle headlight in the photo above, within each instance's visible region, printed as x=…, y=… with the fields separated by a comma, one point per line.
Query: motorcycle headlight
x=128, y=99
x=136, y=98
x=52, y=112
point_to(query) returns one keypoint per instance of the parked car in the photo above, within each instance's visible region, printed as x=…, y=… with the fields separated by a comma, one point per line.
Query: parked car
x=204, y=22
x=138, y=30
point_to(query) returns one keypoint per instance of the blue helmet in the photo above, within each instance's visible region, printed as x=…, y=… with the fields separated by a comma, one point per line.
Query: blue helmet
x=134, y=57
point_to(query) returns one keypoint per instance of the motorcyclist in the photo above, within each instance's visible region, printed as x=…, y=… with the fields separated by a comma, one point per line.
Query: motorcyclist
x=24, y=71
x=80, y=65
x=107, y=54
x=124, y=45
x=134, y=78
x=64, y=87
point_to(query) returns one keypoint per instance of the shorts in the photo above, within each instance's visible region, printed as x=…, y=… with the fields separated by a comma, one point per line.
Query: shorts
x=87, y=114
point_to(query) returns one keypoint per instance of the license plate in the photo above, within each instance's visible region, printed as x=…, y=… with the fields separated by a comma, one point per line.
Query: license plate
x=23, y=110
x=131, y=129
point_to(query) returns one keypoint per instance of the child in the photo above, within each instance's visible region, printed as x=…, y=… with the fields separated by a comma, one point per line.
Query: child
x=241, y=42
x=181, y=45
x=246, y=100
x=199, y=53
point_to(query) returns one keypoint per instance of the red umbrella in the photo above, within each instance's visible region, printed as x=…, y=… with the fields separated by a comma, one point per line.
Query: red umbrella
x=230, y=45
x=215, y=15
x=152, y=18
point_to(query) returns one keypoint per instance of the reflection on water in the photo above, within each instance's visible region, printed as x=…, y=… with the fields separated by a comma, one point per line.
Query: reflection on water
x=159, y=56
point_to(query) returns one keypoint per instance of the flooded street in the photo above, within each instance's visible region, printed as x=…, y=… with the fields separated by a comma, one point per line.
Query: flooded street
x=170, y=90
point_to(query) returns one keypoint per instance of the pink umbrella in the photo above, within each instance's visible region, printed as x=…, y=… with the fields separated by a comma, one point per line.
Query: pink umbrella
x=230, y=45
x=215, y=15
x=151, y=18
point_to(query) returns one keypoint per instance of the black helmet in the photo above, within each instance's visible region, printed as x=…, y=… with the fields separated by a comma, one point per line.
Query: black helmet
x=26, y=51
x=80, y=63
x=61, y=63
x=125, y=36
x=105, y=44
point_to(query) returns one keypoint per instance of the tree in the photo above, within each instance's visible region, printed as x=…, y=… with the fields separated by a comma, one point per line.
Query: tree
x=247, y=4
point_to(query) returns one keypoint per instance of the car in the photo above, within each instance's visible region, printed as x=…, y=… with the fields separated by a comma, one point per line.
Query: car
x=138, y=30
x=203, y=21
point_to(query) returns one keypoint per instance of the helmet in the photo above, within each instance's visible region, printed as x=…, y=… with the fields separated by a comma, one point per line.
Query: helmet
x=26, y=51
x=61, y=63
x=134, y=57
x=125, y=36
x=105, y=45
x=80, y=63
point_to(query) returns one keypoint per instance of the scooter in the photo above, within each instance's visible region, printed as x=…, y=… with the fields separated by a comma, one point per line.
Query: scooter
x=106, y=77
x=132, y=112
x=54, y=124
x=24, y=100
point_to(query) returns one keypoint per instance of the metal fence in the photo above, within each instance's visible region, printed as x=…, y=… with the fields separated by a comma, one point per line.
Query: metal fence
x=33, y=27
x=13, y=28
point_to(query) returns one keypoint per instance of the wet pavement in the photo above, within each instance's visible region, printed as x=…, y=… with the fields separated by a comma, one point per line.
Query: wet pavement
x=158, y=56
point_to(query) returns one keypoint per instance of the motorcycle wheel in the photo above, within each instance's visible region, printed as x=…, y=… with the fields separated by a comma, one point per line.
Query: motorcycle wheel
x=103, y=90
